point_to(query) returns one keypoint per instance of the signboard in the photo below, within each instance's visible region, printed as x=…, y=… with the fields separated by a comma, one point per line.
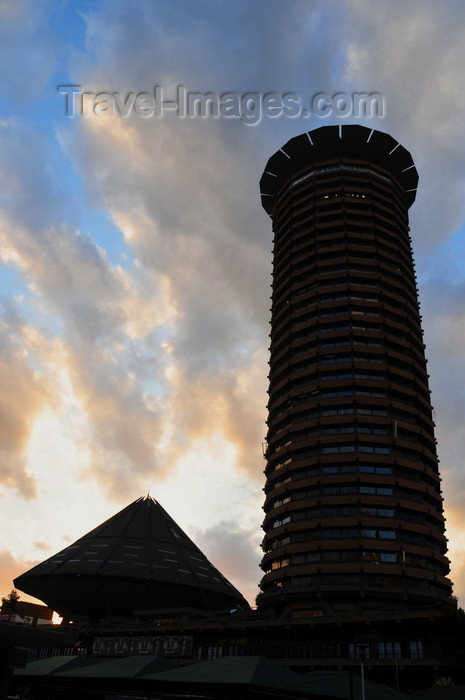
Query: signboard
x=171, y=645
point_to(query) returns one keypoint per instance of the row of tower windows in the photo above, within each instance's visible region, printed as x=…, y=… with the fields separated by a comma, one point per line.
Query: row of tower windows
x=395, y=393
x=298, y=239
x=393, y=325
x=306, y=416
x=343, y=237
x=313, y=201
x=346, y=195
x=362, y=510
x=314, y=415
x=337, y=247
x=383, y=511
x=392, y=302
x=317, y=512
x=431, y=496
x=315, y=378
x=344, y=489
x=342, y=171
x=397, y=280
x=418, y=474
x=355, y=533
x=418, y=456
x=334, y=377
x=400, y=372
x=346, y=281
x=342, y=277
x=284, y=409
x=308, y=340
x=407, y=361
x=397, y=416
x=358, y=555
x=293, y=438
x=334, y=511
x=321, y=264
x=353, y=306
x=289, y=418
x=399, y=315
x=346, y=244
x=378, y=558
x=314, y=293
x=331, y=298
x=391, y=343
x=288, y=222
x=359, y=582
x=403, y=369
x=302, y=537
x=344, y=177
x=317, y=296
x=315, y=210
x=358, y=229
x=346, y=232
x=312, y=258
x=316, y=214
x=297, y=232
x=317, y=359
x=335, y=469
x=341, y=532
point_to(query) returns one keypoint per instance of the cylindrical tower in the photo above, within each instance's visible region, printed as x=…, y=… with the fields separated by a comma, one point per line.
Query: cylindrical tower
x=353, y=510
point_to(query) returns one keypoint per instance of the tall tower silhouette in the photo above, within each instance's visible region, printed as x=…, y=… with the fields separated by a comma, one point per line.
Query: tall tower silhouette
x=353, y=509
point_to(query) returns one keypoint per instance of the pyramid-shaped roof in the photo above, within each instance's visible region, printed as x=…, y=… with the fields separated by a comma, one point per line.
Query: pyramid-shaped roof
x=138, y=559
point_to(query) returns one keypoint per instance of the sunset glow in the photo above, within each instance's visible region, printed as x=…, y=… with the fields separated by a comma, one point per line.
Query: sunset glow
x=135, y=256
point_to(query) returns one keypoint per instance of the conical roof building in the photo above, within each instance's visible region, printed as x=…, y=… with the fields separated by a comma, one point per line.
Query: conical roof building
x=138, y=559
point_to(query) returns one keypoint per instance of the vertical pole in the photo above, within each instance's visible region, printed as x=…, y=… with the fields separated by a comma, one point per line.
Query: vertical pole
x=362, y=674
x=363, y=650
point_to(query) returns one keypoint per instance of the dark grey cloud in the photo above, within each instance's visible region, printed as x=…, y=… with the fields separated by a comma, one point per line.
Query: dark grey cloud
x=236, y=553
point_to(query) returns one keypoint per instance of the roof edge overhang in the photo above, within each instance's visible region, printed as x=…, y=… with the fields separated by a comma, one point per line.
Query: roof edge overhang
x=333, y=142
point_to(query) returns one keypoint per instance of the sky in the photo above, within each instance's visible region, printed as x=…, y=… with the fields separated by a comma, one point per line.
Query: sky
x=135, y=257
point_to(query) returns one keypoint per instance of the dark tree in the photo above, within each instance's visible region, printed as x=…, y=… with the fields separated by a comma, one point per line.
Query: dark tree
x=9, y=603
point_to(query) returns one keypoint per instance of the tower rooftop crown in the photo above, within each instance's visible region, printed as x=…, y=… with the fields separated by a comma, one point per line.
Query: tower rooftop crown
x=351, y=142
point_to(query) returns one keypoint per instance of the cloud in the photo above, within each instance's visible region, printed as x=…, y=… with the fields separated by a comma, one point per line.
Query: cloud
x=27, y=57
x=456, y=553
x=398, y=52
x=101, y=311
x=30, y=189
x=444, y=320
x=43, y=546
x=10, y=568
x=24, y=392
x=236, y=553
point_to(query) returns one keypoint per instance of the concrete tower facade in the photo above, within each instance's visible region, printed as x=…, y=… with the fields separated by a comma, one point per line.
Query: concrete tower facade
x=353, y=509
